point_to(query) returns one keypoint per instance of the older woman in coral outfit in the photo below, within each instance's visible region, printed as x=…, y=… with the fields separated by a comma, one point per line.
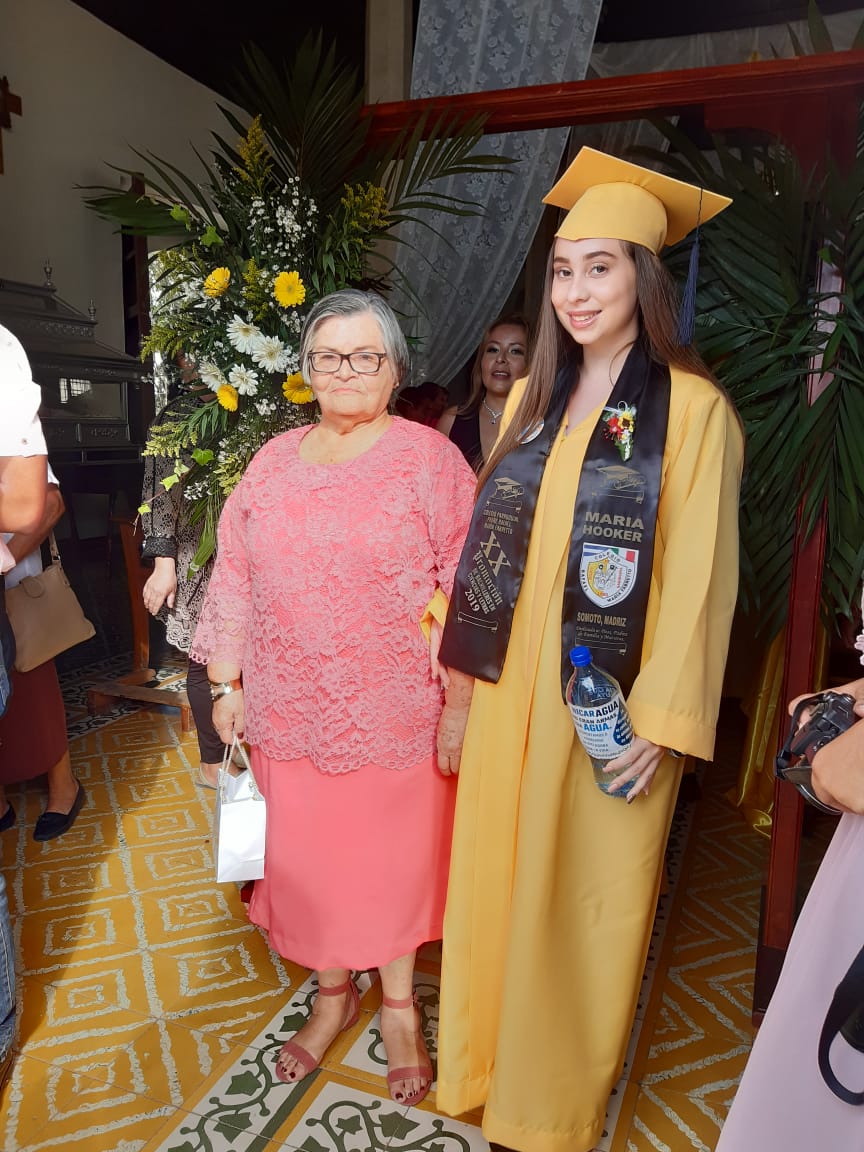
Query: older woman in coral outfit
x=340, y=538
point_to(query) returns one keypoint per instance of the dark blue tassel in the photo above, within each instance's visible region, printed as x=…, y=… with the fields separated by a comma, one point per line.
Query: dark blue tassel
x=687, y=317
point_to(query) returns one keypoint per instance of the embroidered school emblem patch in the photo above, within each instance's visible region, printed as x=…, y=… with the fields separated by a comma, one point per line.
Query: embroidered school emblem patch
x=607, y=575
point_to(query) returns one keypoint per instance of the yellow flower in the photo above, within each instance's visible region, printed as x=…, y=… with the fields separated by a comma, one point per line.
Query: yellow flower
x=289, y=290
x=366, y=208
x=295, y=390
x=252, y=149
x=217, y=282
x=227, y=397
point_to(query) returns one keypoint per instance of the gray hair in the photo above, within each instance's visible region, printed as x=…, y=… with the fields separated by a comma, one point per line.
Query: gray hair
x=352, y=302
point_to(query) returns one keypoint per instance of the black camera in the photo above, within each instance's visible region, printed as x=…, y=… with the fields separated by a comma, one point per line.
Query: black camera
x=830, y=714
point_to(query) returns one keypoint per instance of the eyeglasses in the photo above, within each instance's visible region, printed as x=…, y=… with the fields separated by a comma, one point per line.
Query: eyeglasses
x=363, y=363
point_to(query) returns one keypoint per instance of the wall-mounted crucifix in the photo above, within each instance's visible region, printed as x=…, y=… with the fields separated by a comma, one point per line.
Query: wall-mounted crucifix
x=9, y=104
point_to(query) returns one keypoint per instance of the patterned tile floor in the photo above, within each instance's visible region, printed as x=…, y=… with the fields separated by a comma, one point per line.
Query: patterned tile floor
x=151, y=1010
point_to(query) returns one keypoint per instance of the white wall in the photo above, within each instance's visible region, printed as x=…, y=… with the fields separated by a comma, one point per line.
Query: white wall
x=87, y=95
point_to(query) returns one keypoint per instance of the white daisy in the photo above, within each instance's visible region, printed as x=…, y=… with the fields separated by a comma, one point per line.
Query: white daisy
x=211, y=375
x=244, y=380
x=270, y=353
x=243, y=334
x=292, y=361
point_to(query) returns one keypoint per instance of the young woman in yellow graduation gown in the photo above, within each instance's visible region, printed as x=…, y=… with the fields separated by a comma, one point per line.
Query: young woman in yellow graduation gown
x=553, y=885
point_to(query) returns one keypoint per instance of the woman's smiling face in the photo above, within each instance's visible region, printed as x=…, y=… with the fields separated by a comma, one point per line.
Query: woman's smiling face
x=594, y=293
x=346, y=394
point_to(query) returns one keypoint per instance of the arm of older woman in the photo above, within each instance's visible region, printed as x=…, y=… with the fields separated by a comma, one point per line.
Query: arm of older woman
x=454, y=720
x=439, y=672
x=450, y=513
x=228, y=709
x=220, y=637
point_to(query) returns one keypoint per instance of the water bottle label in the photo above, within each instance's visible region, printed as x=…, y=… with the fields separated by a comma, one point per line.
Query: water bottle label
x=604, y=730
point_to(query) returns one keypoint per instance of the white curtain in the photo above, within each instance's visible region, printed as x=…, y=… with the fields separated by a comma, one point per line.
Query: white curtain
x=463, y=277
x=707, y=50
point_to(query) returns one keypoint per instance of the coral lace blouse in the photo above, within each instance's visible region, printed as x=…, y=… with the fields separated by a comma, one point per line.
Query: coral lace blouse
x=322, y=575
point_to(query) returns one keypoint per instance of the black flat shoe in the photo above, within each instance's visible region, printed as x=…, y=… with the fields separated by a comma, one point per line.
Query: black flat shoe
x=7, y=820
x=50, y=825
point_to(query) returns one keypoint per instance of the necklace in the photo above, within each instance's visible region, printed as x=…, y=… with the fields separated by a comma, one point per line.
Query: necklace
x=493, y=415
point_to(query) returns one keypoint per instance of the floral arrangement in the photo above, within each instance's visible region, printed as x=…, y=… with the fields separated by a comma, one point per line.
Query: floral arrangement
x=288, y=215
x=230, y=299
x=620, y=427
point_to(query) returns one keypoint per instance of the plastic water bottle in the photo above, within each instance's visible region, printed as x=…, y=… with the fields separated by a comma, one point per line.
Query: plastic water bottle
x=602, y=721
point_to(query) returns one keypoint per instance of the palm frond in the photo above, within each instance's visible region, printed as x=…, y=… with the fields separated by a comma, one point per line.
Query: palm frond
x=133, y=214
x=310, y=107
x=766, y=329
x=820, y=37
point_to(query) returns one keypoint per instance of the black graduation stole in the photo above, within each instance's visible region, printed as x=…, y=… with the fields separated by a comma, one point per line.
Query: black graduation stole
x=611, y=545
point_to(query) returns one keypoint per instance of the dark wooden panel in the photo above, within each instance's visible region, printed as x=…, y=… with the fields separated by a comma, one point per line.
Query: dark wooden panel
x=750, y=87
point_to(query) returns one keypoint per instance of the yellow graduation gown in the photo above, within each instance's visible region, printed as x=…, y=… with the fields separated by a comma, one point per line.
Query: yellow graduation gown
x=553, y=885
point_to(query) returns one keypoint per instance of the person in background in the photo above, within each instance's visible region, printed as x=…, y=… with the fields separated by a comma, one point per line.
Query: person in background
x=341, y=537
x=423, y=403
x=607, y=515
x=33, y=739
x=783, y=1103
x=23, y=455
x=23, y=493
x=172, y=593
x=501, y=359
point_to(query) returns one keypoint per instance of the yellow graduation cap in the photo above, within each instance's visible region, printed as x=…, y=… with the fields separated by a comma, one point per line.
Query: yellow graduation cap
x=612, y=199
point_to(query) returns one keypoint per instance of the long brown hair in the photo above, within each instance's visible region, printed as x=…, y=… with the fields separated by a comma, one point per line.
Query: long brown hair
x=657, y=305
x=475, y=396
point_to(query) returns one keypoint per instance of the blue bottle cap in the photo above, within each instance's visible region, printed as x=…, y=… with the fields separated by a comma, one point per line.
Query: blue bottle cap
x=580, y=656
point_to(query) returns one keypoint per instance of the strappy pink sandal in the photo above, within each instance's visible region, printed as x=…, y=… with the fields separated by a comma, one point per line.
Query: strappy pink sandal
x=305, y=1060
x=418, y=1071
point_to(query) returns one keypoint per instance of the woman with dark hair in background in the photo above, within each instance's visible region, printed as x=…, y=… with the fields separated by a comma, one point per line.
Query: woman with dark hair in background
x=423, y=403
x=173, y=592
x=501, y=359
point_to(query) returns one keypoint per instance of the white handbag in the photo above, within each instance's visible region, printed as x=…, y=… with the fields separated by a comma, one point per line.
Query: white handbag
x=241, y=822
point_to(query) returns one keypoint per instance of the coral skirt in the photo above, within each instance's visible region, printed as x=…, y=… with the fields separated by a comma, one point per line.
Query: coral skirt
x=356, y=865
